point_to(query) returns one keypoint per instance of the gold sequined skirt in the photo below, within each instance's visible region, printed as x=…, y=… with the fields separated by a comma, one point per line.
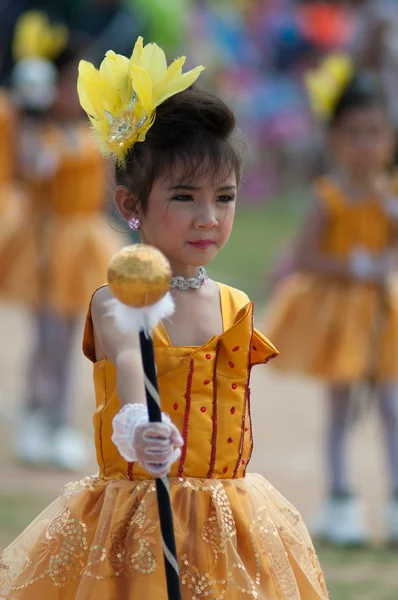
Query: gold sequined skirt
x=236, y=539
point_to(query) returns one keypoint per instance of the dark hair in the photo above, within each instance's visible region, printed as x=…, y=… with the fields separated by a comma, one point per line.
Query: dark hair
x=362, y=91
x=192, y=128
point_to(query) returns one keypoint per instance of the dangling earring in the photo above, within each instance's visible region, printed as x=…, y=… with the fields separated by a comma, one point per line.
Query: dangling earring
x=134, y=223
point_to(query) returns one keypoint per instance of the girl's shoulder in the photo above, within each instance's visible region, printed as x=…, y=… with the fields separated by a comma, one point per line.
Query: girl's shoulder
x=232, y=302
x=235, y=296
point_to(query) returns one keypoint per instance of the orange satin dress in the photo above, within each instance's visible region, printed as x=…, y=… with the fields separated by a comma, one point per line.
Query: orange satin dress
x=61, y=253
x=334, y=329
x=236, y=536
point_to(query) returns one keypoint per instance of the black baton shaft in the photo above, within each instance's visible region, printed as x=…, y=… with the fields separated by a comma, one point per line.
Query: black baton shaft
x=162, y=490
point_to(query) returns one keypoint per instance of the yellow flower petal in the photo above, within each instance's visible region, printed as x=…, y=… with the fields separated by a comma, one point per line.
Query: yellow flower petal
x=137, y=52
x=115, y=70
x=87, y=71
x=174, y=71
x=106, y=94
x=142, y=85
x=177, y=85
x=153, y=60
x=96, y=93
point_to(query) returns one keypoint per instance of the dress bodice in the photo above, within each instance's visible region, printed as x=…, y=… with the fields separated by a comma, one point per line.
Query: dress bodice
x=77, y=185
x=205, y=390
x=351, y=225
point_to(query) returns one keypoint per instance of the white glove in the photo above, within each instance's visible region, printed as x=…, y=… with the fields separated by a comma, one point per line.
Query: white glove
x=363, y=265
x=156, y=446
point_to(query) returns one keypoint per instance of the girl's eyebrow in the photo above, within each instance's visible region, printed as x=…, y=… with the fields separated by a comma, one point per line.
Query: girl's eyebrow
x=226, y=188
x=184, y=186
x=193, y=188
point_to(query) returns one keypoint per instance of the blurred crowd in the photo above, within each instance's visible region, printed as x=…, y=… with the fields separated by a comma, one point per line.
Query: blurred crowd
x=255, y=53
x=259, y=52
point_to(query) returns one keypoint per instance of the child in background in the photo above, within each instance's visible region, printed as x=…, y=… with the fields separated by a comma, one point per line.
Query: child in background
x=62, y=248
x=336, y=318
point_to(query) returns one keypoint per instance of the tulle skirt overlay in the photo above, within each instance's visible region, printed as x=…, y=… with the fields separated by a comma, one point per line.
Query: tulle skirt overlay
x=101, y=539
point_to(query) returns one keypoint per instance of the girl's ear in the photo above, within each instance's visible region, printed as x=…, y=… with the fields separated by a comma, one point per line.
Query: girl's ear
x=125, y=202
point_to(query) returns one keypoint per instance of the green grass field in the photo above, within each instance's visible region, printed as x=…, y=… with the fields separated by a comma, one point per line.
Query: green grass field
x=367, y=574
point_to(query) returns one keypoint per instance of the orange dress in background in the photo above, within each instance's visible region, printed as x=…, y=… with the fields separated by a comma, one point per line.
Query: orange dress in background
x=324, y=327
x=236, y=536
x=61, y=253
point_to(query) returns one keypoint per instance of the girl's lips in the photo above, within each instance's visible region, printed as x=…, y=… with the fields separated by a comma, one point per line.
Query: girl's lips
x=202, y=244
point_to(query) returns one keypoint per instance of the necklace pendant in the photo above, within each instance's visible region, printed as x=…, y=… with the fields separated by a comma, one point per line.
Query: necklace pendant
x=194, y=283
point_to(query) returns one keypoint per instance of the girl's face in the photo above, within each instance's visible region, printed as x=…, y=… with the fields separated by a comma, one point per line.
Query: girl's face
x=363, y=141
x=189, y=221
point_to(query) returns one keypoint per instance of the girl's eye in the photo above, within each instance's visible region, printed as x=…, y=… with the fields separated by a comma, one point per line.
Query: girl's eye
x=183, y=198
x=225, y=199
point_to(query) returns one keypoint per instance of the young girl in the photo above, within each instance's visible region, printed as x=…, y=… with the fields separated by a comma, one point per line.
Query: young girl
x=337, y=317
x=61, y=250
x=177, y=178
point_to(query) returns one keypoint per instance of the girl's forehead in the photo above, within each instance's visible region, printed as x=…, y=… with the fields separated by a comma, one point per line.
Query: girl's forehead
x=201, y=176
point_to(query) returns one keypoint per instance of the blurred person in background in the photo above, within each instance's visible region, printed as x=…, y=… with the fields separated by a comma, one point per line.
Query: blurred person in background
x=101, y=23
x=336, y=317
x=63, y=247
x=375, y=46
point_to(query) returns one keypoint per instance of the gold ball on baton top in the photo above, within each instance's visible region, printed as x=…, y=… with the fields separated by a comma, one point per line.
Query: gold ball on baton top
x=139, y=275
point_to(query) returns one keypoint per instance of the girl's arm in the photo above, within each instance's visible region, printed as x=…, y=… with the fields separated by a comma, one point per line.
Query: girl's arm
x=308, y=251
x=156, y=446
x=122, y=349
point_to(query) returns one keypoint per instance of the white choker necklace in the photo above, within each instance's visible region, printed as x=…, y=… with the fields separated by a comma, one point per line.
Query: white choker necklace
x=194, y=283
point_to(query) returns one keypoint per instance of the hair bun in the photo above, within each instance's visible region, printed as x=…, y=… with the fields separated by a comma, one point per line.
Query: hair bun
x=191, y=113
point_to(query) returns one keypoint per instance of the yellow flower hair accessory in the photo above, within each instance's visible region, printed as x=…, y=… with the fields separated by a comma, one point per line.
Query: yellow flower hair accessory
x=35, y=37
x=326, y=83
x=120, y=98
